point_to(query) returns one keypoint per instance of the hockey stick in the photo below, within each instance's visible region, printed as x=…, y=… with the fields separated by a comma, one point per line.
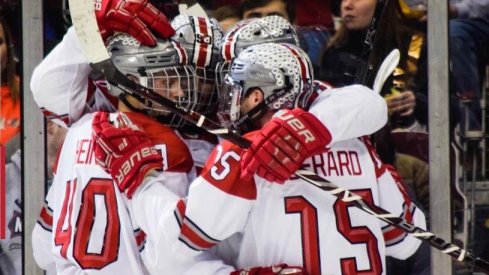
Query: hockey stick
x=94, y=49
x=386, y=69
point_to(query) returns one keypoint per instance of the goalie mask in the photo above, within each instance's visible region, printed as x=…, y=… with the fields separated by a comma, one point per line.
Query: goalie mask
x=162, y=68
x=281, y=71
x=200, y=38
x=269, y=29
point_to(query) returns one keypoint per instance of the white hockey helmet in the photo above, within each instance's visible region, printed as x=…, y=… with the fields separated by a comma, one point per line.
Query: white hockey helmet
x=163, y=68
x=268, y=29
x=280, y=70
x=200, y=37
x=248, y=32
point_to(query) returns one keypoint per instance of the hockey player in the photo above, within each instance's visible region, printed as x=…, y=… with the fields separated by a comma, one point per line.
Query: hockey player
x=294, y=222
x=200, y=37
x=66, y=96
x=269, y=29
x=242, y=209
x=60, y=84
x=87, y=226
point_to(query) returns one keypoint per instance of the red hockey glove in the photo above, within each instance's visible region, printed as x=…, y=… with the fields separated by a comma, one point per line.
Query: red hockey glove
x=135, y=17
x=271, y=270
x=125, y=152
x=282, y=145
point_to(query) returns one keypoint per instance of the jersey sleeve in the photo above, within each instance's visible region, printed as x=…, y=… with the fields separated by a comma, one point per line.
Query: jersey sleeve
x=208, y=264
x=394, y=198
x=350, y=112
x=153, y=210
x=399, y=244
x=156, y=210
x=219, y=202
x=59, y=84
x=42, y=236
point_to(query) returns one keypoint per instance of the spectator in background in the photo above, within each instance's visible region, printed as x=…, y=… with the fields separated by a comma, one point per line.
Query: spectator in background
x=56, y=21
x=227, y=16
x=469, y=44
x=261, y=8
x=342, y=64
x=342, y=60
x=314, y=28
x=11, y=246
x=10, y=92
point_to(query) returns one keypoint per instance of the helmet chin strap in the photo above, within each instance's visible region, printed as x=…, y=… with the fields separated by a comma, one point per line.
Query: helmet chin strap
x=125, y=100
x=250, y=121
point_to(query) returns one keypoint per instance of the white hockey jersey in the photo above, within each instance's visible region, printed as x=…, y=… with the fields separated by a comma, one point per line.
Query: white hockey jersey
x=63, y=91
x=297, y=223
x=61, y=87
x=87, y=226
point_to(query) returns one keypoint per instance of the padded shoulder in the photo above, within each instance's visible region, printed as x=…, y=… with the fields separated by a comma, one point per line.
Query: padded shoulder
x=178, y=157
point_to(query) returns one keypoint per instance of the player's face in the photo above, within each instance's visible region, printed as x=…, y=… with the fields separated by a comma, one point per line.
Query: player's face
x=173, y=83
x=168, y=87
x=357, y=14
x=276, y=7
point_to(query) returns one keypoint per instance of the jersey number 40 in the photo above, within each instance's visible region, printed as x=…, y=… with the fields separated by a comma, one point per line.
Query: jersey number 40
x=84, y=223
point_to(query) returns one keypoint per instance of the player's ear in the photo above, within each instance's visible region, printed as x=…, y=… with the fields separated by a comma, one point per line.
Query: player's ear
x=130, y=99
x=256, y=96
x=133, y=78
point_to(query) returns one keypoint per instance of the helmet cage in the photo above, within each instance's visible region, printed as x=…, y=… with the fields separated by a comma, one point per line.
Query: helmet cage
x=162, y=68
x=200, y=38
x=175, y=83
x=228, y=108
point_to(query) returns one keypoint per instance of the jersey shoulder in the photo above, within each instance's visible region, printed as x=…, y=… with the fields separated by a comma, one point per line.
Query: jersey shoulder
x=223, y=170
x=167, y=140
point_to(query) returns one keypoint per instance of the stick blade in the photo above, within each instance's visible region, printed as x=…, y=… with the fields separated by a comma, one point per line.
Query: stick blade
x=86, y=28
x=386, y=69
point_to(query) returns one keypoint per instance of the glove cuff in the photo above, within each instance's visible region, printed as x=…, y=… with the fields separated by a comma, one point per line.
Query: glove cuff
x=129, y=172
x=316, y=125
